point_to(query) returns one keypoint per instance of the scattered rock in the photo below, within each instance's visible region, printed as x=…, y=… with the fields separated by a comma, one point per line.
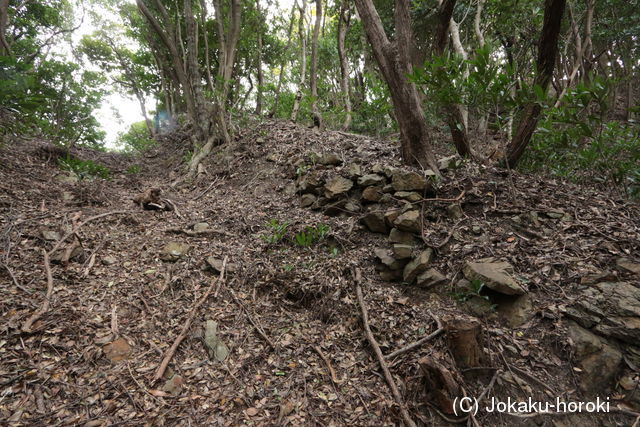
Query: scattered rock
x=628, y=265
x=216, y=265
x=516, y=311
x=337, y=186
x=372, y=194
x=391, y=215
x=330, y=159
x=371, y=180
x=291, y=189
x=478, y=306
x=335, y=208
x=555, y=214
x=67, y=178
x=410, y=196
x=401, y=251
x=417, y=266
x=598, y=360
x=67, y=196
x=495, y=275
x=51, y=235
x=408, y=181
x=609, y=309
x=310, y=183
x=307, y=200
x=450, y=162
x=398, y=236
x=352, y=207
x=409, y=221
x=108, y=260
x=200, y=226
x=374, y=221
x=174, y=385
x=173, y=251
x=118, y=350
x=217, y=349
x=388, y=189
x=354, y=170
x=387, y=260
x=430, y=278
x=455, y=211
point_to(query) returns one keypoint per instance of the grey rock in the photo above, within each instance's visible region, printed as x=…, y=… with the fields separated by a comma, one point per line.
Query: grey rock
x=398, y=236
x=455, y=211
x=337, y=186
x=51, y=235
x=417, y=266
x=401, y=251
x=372, y=194
x=370, y=180
x=307, y=200
x=409, y=221
x=330, y=159
x=67, y=196
x=410, y=196
x=216, y=348
x=354, y=170
x=67, y=178
x=310, y=183
x=628, y=265
x=291, y=189
x=335, y=208
x=390, y=215
x=109, y=260
x=173, y=251
x=374, y=221
x=352, y=206
x=408, y=181
x=450, y=162
x=387, y=260
x=388, y=189
x=516, y=311
x=430, y=278
x=201, y=226
x=495, y=276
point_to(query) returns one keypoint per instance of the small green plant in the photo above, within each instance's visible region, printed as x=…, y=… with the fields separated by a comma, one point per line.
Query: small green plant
x=133, y=169
x=83, y=168
x=334, y=252
x=276, y=231
x=288, y=267
x=311, y=235
x=464, y=295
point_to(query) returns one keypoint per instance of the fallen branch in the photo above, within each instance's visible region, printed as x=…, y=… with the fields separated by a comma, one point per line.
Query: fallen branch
x=215, y=181
x=376, y=348
x=193, y=233
x=75, y=229
x=327, y=362
x=185, y=328
x=415, y=344
x=15, y=281
x=26, y=327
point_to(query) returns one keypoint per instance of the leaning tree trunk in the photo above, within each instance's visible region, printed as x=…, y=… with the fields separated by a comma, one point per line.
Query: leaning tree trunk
x=547, y=50
x=394, y=63
x=344, y=20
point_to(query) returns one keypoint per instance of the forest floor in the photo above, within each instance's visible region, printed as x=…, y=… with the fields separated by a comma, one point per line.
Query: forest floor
x=288, y=315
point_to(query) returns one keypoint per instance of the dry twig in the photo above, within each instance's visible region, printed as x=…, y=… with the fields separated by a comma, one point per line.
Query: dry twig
x=376, y=348
x=26, y=327
x=185, y=328
x=327, y=362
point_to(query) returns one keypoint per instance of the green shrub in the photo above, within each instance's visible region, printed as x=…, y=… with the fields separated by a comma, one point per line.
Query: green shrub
x=276, y=231
x=83, y=168
x=134, y=169
x=311, y=235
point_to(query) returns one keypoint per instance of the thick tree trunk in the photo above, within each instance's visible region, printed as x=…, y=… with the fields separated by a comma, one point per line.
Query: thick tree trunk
x=344, y=20
x=303, y=61
x=4, y=22
x=393, y=61
x=547, y=50
x=317, y=119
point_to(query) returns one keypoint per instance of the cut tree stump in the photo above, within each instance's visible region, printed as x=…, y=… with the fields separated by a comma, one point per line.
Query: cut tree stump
x=441, y=387
x=465, y=341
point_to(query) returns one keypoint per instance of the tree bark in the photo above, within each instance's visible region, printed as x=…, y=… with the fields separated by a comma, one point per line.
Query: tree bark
x=4, y=22
x=344, y=20
x=274, y=108
x=547, y=50
x=259, y=94
x=317, y=119
x=303, y=61
x=393, y=61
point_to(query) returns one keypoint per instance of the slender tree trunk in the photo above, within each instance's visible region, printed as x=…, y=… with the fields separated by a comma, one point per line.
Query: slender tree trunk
x=303, y=61
x=260, y=74
x=483, y=120
x=394, y=63
x=274, y=108
x=317, y=119
x=4, y=22
x=344, y=20
x=205, y=36
x=547, y=50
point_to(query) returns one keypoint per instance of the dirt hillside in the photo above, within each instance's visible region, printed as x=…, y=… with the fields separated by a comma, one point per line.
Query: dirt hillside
x=279, y=338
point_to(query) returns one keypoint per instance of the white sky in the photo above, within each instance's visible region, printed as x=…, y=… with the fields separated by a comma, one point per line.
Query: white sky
x=118, y=112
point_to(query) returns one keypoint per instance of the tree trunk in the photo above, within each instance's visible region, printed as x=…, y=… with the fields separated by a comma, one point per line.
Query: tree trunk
x=260, y=74
x=344, y=20
x=547, y=50
x=393, y=61
x=303, y=61
x=4, y=22
x=317, y=119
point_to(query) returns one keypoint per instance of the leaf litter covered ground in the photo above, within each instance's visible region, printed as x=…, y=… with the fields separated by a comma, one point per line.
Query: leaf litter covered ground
x=288, y=314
